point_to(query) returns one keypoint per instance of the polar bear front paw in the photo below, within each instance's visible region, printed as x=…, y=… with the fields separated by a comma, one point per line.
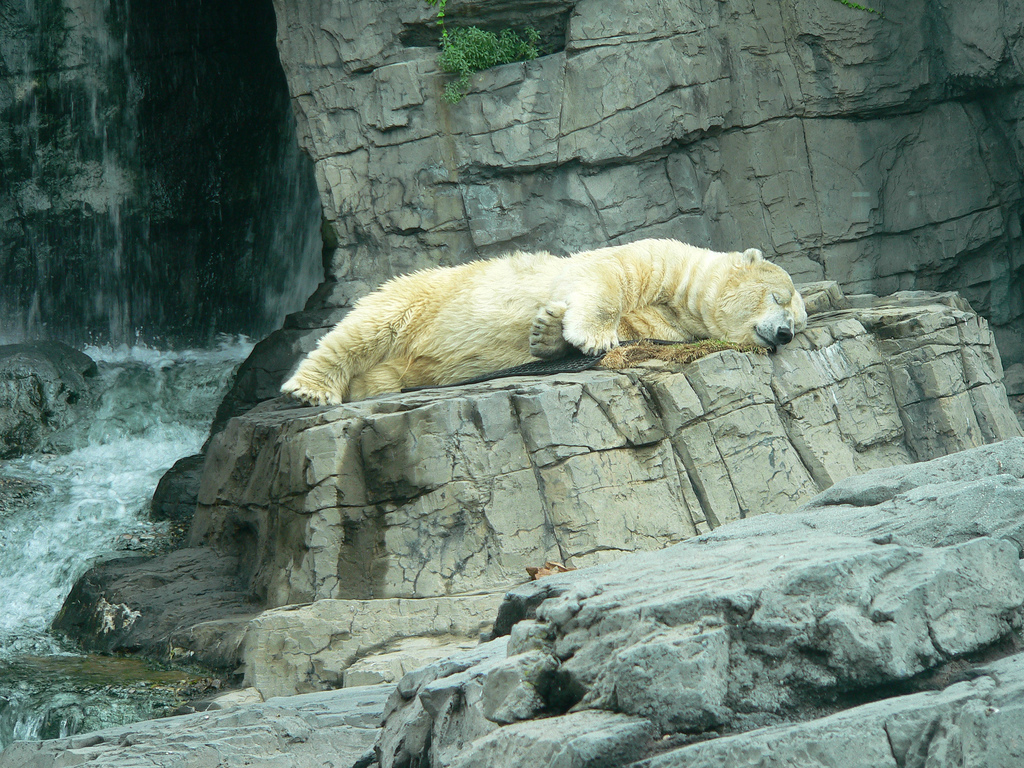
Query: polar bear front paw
x=588, y=339
x=296, y=388
x=546, y=341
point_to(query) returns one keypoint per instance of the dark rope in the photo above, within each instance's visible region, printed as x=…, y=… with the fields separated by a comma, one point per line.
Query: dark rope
x=573, y=361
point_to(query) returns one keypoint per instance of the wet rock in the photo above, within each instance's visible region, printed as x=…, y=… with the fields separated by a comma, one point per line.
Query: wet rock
x=175, y=496
x=299, y=731
x=44, y=389
x=152, y=606
x=974, y=723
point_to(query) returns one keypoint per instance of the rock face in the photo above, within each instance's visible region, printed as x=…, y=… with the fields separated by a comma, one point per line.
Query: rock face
x=767, y=619
x=152, y=185
x=300, y=732
x=880, y=152
x=452, y=491
x=878, y=625
x=43, y=388
x=401, y=520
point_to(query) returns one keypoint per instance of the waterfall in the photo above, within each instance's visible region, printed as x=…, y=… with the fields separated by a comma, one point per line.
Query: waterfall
x=153, y=197
x=151, y=184
x=154, y=408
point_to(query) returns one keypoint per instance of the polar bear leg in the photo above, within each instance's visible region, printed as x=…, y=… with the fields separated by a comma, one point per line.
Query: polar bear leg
x=546, y=340
x=385, y=377
x=321, y=379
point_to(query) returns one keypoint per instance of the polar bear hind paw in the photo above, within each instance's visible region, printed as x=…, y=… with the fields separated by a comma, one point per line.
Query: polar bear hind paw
x=546, y=340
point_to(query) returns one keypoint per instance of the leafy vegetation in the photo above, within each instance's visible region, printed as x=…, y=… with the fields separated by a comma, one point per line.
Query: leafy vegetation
x=847, y=3
x=470, y=49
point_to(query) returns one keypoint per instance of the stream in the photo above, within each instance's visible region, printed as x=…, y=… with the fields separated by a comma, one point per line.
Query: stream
x=61, y=513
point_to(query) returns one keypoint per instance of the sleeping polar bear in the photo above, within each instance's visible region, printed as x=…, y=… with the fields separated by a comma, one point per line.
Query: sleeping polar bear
x=443, y=325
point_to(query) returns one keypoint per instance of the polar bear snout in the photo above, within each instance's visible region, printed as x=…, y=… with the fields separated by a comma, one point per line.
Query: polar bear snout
x=775, y=331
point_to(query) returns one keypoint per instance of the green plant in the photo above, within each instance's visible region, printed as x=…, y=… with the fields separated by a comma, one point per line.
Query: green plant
x=847, y=3
x=440, y=13
x=470, y=49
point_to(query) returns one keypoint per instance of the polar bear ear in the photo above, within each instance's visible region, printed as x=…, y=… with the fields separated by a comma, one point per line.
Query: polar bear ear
x=751, y=256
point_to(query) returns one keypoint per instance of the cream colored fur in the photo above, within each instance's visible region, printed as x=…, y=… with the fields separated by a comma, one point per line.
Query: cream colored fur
x=442, y=325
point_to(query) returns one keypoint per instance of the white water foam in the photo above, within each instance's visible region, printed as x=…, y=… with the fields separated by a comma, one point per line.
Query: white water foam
x=155, y=409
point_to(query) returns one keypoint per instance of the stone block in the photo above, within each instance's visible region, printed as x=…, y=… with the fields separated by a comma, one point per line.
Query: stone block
x=308, y=648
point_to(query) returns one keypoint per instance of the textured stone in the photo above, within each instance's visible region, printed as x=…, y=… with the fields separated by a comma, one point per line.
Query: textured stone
x=311, y=731
x=578, y=740
x=885, y=577
x=175, y=495
x=44, y=387
x=457, y=490
x=888, y=575
x=973, y=724
x=306, y=648
x=184, y=603
x=809, y=131
x=893, y=580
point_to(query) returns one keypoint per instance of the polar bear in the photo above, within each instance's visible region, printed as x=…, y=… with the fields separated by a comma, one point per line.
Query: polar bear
x=447, y=324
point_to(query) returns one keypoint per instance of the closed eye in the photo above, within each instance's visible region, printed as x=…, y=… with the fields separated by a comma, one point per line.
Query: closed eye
x=777, y=299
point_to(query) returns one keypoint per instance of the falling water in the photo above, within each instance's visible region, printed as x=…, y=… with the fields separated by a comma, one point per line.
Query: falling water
x=152, y=190
x=155, y=408
x=152, y=187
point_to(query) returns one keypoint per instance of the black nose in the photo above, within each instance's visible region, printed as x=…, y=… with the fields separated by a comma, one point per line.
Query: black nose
x=783, y=336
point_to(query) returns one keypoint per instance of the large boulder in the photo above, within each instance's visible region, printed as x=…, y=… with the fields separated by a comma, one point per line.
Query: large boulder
x=450, y=491
x=44, y=386
x=759, y=622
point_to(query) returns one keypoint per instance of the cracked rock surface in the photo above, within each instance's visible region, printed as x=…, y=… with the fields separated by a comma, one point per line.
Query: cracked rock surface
x=878, y=625
x=883, y=153
x=452, y=491
x=311, y=731
x=378, y=536
x=772, y=619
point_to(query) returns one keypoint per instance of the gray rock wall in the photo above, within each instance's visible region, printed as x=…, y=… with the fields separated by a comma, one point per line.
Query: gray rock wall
x=864, y=595
x=881, y=152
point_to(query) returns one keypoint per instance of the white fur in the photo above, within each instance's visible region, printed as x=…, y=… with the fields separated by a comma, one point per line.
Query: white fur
x=442, y=325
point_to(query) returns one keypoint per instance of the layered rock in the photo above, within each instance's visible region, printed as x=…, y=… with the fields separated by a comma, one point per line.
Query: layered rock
x=878, y=625
x=403, y=518
x=457, y=490
x=776, y=617
x=299, y=731
x=881, y=152
x=44, y=389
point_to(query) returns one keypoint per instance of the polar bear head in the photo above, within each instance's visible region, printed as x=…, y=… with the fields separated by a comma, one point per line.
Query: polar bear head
x=758, y=303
